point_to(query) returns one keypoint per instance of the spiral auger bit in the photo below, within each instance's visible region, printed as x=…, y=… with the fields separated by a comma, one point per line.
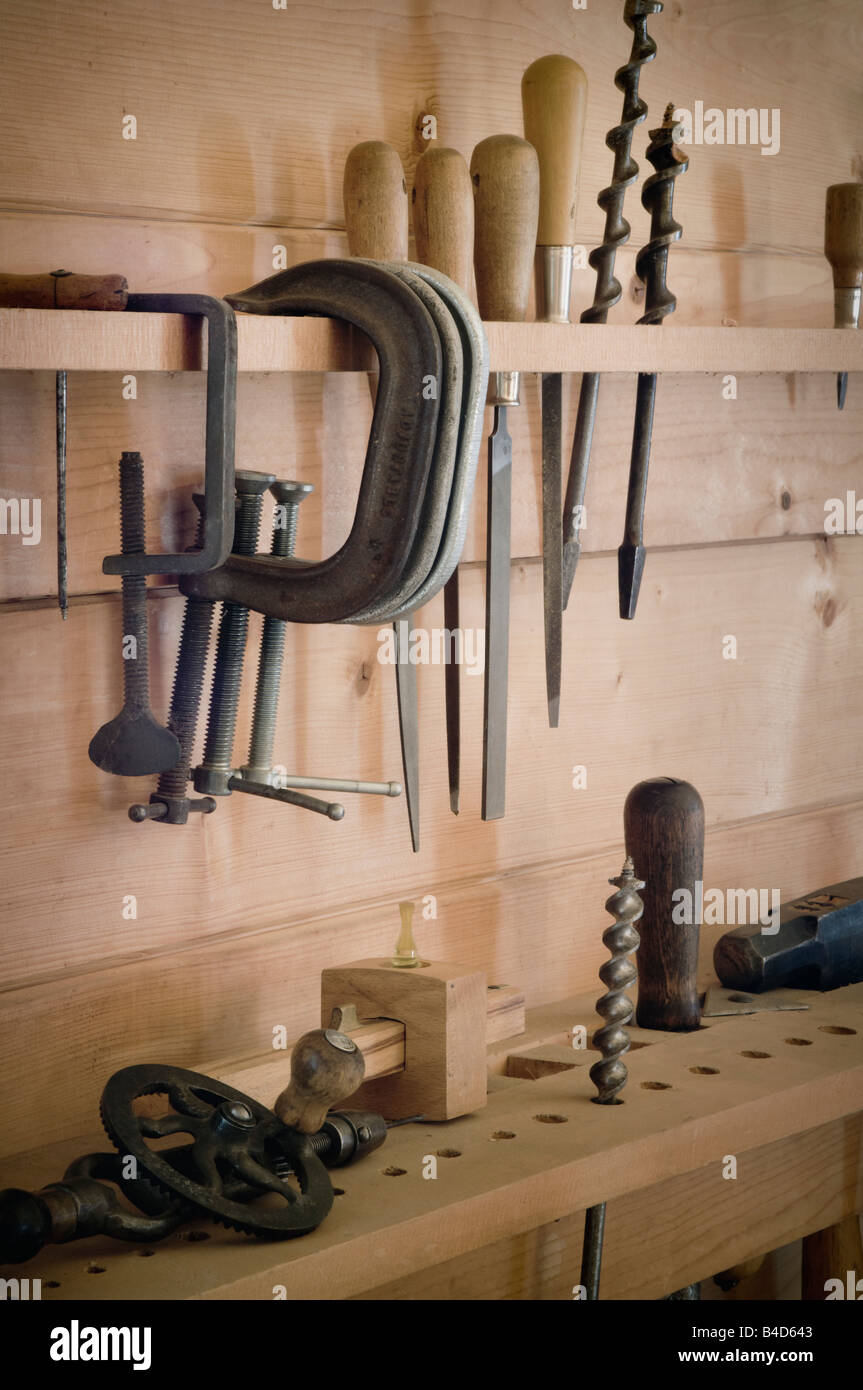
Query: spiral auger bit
x=651, y=265
x=608, y=290
x=616, y=1010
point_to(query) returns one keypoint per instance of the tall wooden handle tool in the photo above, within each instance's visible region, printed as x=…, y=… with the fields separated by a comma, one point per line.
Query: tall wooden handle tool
x=61, y=289
x=554, y=101
x=843, y=247
x=376, y=221
x=443, y=232
x=663, y=823
x=505, y=175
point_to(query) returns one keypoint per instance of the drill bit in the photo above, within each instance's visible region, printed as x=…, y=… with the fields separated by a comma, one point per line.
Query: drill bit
x=616, y=1009
x=608, y=289
x=651, y=264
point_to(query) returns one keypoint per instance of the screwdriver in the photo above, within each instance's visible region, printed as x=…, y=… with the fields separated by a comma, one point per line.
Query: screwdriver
x=443, y=231
x=843, y=247
x=505, y=174
x=554, y=99
x=376, y=221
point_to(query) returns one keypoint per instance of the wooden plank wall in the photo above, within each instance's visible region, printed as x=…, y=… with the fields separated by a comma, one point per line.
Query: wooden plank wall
x=244, y=116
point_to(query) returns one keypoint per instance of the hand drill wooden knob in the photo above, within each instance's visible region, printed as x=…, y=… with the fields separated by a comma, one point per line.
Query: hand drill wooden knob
x=326, y=1066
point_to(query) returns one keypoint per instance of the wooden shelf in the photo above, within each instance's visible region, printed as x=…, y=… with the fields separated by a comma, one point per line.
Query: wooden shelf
x=788, y=1112
x=43, y=340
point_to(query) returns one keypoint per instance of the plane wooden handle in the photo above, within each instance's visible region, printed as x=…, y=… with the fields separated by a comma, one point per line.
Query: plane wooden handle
x=376, y=204
x=554, y=103
x=443, y=214
x=65, y=291
x=504, y=171
x=663, y=822
x=843, y=234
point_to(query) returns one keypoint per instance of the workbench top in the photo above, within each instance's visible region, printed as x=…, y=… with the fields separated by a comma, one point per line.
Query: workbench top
x=740, y=1088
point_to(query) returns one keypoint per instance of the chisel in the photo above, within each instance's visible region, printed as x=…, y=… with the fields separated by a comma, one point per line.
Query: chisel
x=376, y=221
x=554, y=100
x=443, y=232
x=505, y=174
x=843, y=247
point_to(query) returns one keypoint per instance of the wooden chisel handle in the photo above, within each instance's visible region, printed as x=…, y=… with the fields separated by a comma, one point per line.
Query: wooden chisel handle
x=443, y=214
x=375, y=202
x=63, y=290
x=843, y=234
x=504, y=171
x=554, y=102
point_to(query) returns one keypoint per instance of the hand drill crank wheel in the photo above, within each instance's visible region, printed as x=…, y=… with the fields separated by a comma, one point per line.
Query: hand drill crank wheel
x=239, y=1148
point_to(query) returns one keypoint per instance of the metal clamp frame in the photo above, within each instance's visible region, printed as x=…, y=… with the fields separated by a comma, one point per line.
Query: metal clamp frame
x=221, y=416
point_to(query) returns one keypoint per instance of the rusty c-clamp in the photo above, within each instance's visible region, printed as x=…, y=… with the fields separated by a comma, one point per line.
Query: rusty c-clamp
x=398, y=459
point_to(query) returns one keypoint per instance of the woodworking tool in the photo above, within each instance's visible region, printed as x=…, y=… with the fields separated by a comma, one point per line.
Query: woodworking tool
x=406, y=956
x=843, y=247
x=169, y=802
x=731, y=1003
x=608, y=290
x=663, y=821
x=831, y=1256
x=817, y=943
x=615, y=1009
x=62, y=289
x=398, y=456
x=442, y=200
x=376, y=223
x=505, y=174
x=651, y=264
x=554, y=100
x=133, y=743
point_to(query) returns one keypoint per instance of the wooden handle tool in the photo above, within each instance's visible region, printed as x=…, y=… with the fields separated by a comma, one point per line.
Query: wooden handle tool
x=61, y=289
x=554, y=101
x=443, y=231
x=326, y=1066
x=375, y=201
x=663, y=823
x=843, y=247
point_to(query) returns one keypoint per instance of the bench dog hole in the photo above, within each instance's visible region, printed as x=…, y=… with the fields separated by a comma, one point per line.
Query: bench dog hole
x=93, y=1268
x=834, y=1028
x=447, y=1153
x=551, y=1119
x=755, y=1054
x=656, y=1085
x=194, y=1235
x=503, y=1134
x=394, y=1172
x=799, y=1042
x=705, y=1071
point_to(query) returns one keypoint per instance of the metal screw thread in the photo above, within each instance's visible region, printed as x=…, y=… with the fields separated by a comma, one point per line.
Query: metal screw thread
x=657, y=196
x=188, y=681
x=625, y=172
x=136, y=681
x=231, y=645
x=621, y=939
x=271, y=656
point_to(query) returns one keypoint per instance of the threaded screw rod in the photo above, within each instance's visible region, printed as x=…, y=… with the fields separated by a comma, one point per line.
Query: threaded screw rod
x=608, y=290
x=651, y=265
x=231, y=645
x=289, y=496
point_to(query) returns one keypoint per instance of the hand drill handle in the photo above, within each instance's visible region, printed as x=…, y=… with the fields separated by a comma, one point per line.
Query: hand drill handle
x=375, y=201
x=326, y=1067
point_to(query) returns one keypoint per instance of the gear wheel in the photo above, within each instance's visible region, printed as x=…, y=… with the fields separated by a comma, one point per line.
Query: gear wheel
x=239, y=1151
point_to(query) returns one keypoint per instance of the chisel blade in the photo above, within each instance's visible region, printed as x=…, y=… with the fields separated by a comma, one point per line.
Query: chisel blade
x=841, y=389
x=408, y=702
x=497, y=618
x=452, y=693
x=552, y=558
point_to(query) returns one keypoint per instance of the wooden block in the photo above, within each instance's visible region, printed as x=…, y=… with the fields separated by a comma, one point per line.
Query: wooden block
x=443, y=1008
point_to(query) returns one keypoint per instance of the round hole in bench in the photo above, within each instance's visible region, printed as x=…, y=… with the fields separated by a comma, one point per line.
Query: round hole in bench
x=394, y=1172
x=448, y=1153
x=755, y=1054
x=93, y=1268
x=503, y=1134
x=656, y=1085
x=145, y=1254
x=834, y=1028
x=551, y=1119
x=705, y=1071
x=799, y=1042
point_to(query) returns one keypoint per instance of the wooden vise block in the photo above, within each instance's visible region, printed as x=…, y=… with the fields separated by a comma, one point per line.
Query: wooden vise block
x=423, y=1032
